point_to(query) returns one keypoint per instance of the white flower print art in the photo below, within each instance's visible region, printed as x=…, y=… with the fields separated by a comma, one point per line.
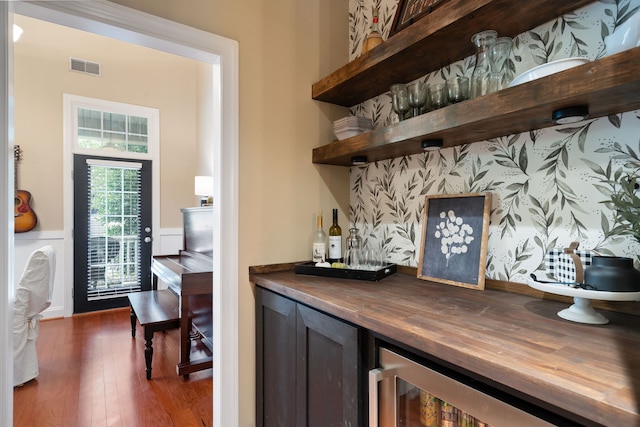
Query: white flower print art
x=455, y=229
x=455, y=236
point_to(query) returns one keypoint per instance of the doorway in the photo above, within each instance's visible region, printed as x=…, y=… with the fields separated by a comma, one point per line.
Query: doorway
x=114, y=147
x=112, y=231
x=117, y=21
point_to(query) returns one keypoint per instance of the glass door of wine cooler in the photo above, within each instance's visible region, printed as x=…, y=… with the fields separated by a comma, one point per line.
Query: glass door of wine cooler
x=404, y=393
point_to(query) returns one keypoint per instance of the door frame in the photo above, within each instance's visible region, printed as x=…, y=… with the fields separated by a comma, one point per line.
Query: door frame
x=126, y=24
x=82, y=230
x=70, y=103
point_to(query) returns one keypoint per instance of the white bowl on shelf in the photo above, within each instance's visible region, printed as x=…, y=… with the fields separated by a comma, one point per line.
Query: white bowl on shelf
x=548, y=69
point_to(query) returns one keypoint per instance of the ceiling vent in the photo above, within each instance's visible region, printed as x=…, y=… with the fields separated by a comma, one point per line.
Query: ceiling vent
x=83, y=66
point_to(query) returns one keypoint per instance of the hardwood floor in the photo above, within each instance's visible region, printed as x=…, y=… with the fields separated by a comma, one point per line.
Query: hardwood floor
x=92, y=373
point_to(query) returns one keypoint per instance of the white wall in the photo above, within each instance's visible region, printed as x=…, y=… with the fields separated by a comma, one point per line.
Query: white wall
x=170, y=242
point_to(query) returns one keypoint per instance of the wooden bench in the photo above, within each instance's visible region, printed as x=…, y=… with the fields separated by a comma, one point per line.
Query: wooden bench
x=156, y=310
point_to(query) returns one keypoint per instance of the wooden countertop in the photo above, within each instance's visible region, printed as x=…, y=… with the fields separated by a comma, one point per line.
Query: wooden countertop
x=515, y=340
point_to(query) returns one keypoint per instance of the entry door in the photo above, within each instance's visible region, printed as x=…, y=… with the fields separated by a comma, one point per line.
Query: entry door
x=112, y=231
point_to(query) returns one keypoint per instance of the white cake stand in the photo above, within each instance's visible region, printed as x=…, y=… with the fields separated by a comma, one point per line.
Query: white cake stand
x=581, y=311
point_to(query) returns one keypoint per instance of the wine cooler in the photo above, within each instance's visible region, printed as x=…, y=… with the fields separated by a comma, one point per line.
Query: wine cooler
x=405, y=393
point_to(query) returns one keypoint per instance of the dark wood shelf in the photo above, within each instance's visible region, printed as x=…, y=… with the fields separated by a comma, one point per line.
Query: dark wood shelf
x=607, y=86
x=433, y=42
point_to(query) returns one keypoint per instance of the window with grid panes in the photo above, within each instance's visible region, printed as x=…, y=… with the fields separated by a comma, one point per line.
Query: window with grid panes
x=102, y=129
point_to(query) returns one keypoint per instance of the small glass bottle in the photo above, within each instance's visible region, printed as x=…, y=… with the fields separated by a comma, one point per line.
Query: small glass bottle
x=319, y=249
x=335, y=239
x=353, y=252
x=374, y=38
x=354, y=241
x=483, y=41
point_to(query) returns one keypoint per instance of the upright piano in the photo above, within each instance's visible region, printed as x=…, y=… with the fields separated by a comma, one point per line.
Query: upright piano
x=190, y=276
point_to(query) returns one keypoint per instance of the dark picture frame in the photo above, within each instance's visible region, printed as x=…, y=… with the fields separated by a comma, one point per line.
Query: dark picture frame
x=409, y=11
x=455, y=230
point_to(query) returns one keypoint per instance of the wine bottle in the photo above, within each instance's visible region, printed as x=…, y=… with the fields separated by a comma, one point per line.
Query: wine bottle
x=319, y=252
x=374, y=38
x=335, y=239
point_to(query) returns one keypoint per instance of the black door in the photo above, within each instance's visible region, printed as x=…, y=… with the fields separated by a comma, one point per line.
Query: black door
x=112, y=231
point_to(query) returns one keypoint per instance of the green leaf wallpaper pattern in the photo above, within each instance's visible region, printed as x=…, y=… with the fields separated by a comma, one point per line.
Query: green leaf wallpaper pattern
x=549, y=186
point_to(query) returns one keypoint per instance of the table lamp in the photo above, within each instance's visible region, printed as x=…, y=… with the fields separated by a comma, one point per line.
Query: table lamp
x=204, y=188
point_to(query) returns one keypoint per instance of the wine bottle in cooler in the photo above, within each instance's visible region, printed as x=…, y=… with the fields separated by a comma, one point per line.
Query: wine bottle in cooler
x=335, y=239
x=319, y=249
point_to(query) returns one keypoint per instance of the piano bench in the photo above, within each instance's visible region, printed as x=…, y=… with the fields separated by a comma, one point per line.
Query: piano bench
x=156, y=310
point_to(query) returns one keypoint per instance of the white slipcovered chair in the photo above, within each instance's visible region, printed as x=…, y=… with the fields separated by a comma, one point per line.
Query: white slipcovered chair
x=33, y=296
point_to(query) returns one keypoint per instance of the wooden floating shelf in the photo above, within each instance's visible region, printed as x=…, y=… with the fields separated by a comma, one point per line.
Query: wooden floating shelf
x=610, y=85
x=433, y=42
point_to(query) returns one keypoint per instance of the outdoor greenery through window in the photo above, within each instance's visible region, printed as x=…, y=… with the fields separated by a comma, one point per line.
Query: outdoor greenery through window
x=114, y=229
x=122, y=132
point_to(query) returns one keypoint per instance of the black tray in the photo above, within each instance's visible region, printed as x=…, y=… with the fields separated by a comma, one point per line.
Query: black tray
x=310, y=268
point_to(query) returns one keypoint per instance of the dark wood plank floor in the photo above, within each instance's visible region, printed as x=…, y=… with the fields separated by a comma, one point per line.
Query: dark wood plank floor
x=92, y=373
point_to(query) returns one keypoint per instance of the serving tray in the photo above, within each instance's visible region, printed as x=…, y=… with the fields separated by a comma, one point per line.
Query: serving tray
x=309, y=268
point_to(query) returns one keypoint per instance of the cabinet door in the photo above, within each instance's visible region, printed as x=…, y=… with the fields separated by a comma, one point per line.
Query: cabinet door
x=275, y=360
x=327, y=370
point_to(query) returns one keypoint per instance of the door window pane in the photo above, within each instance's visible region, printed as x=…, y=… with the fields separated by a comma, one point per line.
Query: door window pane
x=114, y=231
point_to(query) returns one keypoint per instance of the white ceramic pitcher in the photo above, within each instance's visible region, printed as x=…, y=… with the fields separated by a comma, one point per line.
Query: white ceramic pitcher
x=625, y=36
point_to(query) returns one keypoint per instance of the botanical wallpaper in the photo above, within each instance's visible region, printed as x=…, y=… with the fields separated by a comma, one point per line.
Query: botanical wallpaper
x=549, y=187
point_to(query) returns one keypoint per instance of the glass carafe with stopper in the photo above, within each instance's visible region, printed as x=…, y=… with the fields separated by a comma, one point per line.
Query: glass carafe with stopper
x=353, y=254
x=480, y=77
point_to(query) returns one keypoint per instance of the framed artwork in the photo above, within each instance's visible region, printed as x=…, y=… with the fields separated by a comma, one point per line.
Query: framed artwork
x=455, y=229
x=409, y=11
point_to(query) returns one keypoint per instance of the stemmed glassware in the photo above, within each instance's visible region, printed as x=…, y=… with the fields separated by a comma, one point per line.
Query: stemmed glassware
x=457, y=89
x=437, y=96
x=417, y=96
x=400, y=99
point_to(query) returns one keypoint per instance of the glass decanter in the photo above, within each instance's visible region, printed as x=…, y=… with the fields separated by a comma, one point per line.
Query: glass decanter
x=483, y=41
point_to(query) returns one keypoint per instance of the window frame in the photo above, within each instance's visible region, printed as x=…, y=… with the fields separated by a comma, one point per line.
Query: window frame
x=75, y=102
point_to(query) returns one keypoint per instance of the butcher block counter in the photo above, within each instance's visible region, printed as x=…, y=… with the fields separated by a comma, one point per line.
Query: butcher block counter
x=515, y=340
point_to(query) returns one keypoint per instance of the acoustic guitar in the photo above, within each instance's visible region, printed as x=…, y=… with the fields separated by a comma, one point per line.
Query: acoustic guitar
x=25, y=218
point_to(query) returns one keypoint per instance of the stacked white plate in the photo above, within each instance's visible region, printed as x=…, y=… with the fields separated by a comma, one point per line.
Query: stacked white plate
x=349, y=126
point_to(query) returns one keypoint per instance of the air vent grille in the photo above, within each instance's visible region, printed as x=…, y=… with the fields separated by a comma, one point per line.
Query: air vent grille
x=84, y=66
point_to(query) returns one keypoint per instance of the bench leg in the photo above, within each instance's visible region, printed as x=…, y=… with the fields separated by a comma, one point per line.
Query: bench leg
x=148, y=350
x=133, y=317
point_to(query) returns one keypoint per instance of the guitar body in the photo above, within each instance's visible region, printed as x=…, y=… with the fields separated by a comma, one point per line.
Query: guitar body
x=25, y=218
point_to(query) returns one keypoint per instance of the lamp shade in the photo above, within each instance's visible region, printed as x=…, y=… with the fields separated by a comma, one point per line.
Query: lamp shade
x=203, y=185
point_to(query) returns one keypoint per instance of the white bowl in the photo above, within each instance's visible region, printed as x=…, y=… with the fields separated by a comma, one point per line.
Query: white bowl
x=548, y=69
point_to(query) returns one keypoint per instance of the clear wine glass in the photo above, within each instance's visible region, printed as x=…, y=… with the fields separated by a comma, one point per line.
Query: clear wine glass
x=437, y=96
x=400, y=99
x=417, y=96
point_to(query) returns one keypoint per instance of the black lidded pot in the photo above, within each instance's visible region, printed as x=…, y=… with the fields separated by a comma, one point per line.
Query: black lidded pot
x=613, y=274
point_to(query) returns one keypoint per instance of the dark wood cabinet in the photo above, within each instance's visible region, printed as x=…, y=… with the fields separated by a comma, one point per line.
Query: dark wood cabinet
x=512, y=346
x=307, y=366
